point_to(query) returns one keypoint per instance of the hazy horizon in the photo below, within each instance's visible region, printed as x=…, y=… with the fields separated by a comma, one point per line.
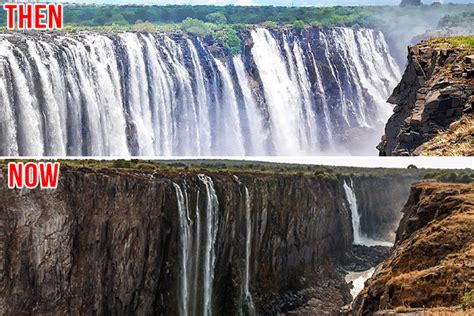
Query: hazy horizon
x=354, y=161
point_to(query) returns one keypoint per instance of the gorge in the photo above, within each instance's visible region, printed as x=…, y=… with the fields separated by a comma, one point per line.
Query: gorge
x=164, y=241
x=430, y=268
x=289, y=92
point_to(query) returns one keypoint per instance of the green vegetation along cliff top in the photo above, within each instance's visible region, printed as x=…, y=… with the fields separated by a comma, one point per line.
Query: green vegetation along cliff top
x=454, y=41
x=252, y=167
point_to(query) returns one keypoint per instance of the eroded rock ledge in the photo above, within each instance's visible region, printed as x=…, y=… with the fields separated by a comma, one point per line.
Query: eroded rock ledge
x=432, y=263
x=436, y=90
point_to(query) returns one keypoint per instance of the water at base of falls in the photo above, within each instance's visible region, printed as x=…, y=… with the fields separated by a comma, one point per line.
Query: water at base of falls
x=358, y=280
x=359, y=238
x=147, y=94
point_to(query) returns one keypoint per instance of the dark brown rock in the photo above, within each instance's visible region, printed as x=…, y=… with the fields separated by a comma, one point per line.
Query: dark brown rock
x=435, y=91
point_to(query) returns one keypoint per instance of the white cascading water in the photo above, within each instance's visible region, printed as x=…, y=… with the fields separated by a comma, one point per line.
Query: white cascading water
x=280, y=92
x=231, y=128
x=196, y=265
x=359, y=238
x=123, y=94
x=247, y=296
x=259, y=139
x=184, y=232
x=212, y=206
x=358, y=280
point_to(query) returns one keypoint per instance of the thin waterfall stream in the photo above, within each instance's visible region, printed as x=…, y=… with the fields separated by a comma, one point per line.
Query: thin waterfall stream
x=192, y=267
x=359, y=237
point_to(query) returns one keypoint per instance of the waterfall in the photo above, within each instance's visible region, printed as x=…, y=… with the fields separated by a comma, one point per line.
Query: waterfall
x=228, y=119
x=352, y=200
x=359, y=238
x=184, y=246
x=196, y=264
x=280, y=92
x=212, y=206
x=247, y=296
x=197, y=256
x=258, y=141
x=146, y=94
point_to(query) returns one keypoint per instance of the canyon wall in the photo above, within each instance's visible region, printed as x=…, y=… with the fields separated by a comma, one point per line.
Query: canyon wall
x=112, y=241
x=436, y=90
x=288, y=92
x=431, y=264
x=377, y=219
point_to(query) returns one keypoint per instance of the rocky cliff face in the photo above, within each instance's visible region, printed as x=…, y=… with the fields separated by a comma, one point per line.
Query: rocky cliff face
x=436, y=90
x=431, y=266
x=111, y=242
x=378, y=221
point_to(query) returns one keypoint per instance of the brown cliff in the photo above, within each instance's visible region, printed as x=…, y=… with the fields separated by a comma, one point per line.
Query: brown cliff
x=106, y=242
x=432, y=264
x=436, y=90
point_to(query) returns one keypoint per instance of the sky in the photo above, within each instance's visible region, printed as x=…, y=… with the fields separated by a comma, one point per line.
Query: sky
x=265, y=2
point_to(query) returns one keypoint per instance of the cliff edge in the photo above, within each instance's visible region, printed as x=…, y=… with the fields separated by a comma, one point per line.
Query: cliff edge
x=436, y=91
x=431, y=266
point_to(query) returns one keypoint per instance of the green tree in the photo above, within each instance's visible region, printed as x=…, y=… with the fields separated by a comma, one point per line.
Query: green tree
x=298, y=24
x=270, y=24
x=232, y=42
x=216, y=17
x=194, y=26
x=407, y=3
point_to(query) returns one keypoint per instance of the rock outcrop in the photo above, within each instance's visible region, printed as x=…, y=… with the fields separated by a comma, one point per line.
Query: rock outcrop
x=432, y=264
x=107, y=241
x=436, y=90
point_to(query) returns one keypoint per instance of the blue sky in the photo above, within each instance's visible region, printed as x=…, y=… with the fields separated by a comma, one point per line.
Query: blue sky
x=267, y=2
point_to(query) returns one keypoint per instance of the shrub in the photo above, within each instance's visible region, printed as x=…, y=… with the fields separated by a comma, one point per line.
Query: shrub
x=145, y=165
x=145, y=26
x=120, y=163
x=270, y=24
x=467, y=300
x=232, y=43
x=195, y=26
x=298, y=24
x=406, y=3
x=216, y=17
x=239, y=27
x=455, y=177
x=228, y=38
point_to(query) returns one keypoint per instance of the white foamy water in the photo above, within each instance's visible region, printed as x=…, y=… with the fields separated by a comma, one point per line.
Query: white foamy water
x=359, y=237
x=358, y=279
x=144, y=94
